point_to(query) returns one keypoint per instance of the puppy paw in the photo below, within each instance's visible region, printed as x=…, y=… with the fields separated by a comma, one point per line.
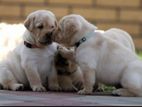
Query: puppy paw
x=38, y=88
x=84, y=92
x=122, y=92
x=54, y=88
x=79, y=85
x=17, y=87
x=99, y=89
x=59, y=47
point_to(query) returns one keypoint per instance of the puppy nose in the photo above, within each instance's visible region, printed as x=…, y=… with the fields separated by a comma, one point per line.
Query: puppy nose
x=49, y=34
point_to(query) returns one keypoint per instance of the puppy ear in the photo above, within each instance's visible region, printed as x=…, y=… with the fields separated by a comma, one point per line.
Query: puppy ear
x=71, y=27
x=56, y=24
x=29, y=23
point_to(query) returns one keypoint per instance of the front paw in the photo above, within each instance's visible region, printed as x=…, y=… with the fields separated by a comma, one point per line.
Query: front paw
x=123, y=92
x=84, y=92
x=54, y=88
x=60, y=49
x=17, y=87
x=38, y=88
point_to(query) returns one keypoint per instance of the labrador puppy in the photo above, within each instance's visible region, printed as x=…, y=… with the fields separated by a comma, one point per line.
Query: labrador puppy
x=70, y=77
x=30, y=64
x=101, y=58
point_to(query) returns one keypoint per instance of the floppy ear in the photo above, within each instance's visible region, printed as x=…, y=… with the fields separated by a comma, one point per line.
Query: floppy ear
x=29, y=23
x=56, y=24
x=71, y=27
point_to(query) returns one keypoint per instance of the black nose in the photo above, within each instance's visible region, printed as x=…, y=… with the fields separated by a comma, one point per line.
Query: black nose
x=47, y=38
x=49, y=34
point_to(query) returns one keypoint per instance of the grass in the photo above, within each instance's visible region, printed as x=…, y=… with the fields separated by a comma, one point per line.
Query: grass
x=140, y=55
x=105, y=88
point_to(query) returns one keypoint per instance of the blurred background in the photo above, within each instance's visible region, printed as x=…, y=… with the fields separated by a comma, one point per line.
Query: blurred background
x=124, y=14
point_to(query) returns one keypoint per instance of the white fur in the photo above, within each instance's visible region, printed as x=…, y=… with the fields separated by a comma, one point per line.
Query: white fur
x=31, y=67
x=104, y=59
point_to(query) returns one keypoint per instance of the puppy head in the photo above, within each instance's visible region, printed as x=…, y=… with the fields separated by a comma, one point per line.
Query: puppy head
x=63, y=65
x=68, y=27
x=71, y=27
x=42, y=24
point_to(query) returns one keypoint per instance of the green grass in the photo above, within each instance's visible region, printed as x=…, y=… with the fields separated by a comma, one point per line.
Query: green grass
x=140, y=55
x=105, y=88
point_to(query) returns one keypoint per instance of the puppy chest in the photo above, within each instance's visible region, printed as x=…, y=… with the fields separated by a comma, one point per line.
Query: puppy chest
x=44, y=68
x=45, y=63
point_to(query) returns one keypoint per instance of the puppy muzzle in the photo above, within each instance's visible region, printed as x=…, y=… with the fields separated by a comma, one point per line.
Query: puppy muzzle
x=46, y=39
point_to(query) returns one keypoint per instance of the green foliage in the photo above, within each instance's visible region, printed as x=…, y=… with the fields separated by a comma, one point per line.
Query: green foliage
x=105, y=88
x=140, y=55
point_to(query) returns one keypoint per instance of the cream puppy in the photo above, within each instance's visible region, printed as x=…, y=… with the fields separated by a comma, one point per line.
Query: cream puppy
x=31, y=62
x=101, y=58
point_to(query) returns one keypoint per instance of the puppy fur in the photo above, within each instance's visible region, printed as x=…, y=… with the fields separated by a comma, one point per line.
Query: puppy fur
x=32, y=67
x=101, y=58
x=119, y=36
x=69, y=74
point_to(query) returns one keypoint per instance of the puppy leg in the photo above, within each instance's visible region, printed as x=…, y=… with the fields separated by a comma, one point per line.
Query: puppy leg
x=131, y=83
x=53, y=80
x=77, y=79
x=34, y=78
x=98, y=87
x=88, y=82
x=35, y=82
x=66, y=83
x=68, y=54
x=8, y=81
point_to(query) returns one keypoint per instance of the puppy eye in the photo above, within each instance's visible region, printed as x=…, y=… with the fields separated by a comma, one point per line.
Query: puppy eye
x=52, y=27
x=40, y=27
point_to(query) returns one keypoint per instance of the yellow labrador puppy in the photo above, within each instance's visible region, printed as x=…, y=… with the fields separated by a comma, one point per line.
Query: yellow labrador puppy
x=101, y=58
x=31, y=62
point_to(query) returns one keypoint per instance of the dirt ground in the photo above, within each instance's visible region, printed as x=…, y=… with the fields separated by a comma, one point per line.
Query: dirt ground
x=27, y=98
